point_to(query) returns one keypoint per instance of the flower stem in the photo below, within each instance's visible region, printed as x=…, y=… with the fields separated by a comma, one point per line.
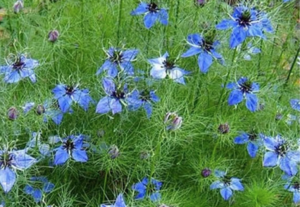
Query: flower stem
x=272, y=50
x=259, y=58
x=104, y=185
x=292, y=66
x=119, y=21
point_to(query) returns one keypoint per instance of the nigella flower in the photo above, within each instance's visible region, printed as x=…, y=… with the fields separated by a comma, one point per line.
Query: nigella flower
x=117, y=57
x=163, y=66
x=206, y=48
x=21, y=68
x=18, y=6
x=243, y=89
x=279, y=154
x=173, y=121
x=148, y=188
x=245, y=22
x=294, y=187
x=143, y=99
x=254, y=142
x=295, y=104
x=37, y=193
x=72, y=146
x=152, y=14
x=113, y=100
x=226, y=184
x=44, y=149
x=65, y=95
x=119, y=202
x=10, y=160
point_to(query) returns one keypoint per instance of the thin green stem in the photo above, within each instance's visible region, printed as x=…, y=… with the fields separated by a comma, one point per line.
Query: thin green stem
x=119, y=21
x=272, y=49
x=104, y=185
x=259, y=58
x=292, y=66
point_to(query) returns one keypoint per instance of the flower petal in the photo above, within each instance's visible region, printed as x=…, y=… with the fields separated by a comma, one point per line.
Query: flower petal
x=270, y=159
x=7, y=179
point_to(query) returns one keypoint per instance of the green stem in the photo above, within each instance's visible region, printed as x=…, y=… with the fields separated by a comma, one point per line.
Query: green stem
x=119, y=21
x=272, y=49
x=104, y=185
x=292, y=66
x=197, y=92
x=259, y=58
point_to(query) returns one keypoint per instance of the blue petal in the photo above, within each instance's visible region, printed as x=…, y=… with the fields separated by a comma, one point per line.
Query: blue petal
x=148, y=109
x=251, y=102
x=7, y=179
x=61, y=156
x=241, y=139
x=79, y=155
x=153, y=97
x=120, y=201
x=270, y=159
x=295, y=104
x=127, y=67
x=12, y=77
x=48, y=187
x=235, y=97
x=64, y=103
x=255, y=31
x=238, y=36
x=28, y=189
x=129, y=55
x=108, y=85
x=163, y=16
x=37, y=195
x=296, y=197
x=217, y=184
x=219, y=173
x=155, y=196
x=141, y=9
x=269, y=142
x=59, y=91
x=226, y=193
x=195, y=39
x=150, y=19
x=115, y=106
x=204, y=61
x=225, y=24
x=23, y=161
x=252, y=149
x=232, y=86
x=288, y=166
x=235, y=184
x=192, y=51
x=103, y=105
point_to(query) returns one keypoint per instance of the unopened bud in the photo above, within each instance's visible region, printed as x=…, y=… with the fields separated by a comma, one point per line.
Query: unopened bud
x=53, y=35
x=40, y=109
x=223, y=128
x=173, y=120
x=18, y=6
x=205, y=172
x=12, y=113
x=114, y=152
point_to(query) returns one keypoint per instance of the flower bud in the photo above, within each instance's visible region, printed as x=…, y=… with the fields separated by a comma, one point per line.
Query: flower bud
x=114, y=151
x=223, y=128
x=173, y=120
x=12, y=113
x=205, y=172
x=40, y=109
x=18, y=6
x=144, y=155
x=53, y=35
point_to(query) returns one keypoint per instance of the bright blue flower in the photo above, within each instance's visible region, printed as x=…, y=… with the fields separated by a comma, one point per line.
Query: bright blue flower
x=119, y=202
x=71, y=146
x=113, y=100
x=254, y=142
x=9, y=160
x=243, y=89
x=226, y=184
x=65, y=95
x=295, y=104
x=152, y=14
x=37, y=193
x=117, y=57
x=144, y=186
x=21, y=68
x=294, y=187
x=143, y=99
x=284, y=1
x=206, y=48
x=279, y=154
x=163, y=67
x=245, y=22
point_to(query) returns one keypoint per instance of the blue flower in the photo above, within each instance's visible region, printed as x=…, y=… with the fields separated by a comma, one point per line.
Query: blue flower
x=37, y=193
x=144, y=186
x=254, y=142
x=207, y=51
x=21, y=68
x=279, y=154
x=152, y=14
x=294, y=187
x=245, y=22
x=226, y=184
x=117, y=57
x=243, y=89
x=163, y=66
x=65, y=95
x=295, y=104
x=71, y=146
x=9, y=160
x=142, y=99
x=27, y=107
x=35, y=141
x=51, y=110
x=111, y=102
x=119, y=202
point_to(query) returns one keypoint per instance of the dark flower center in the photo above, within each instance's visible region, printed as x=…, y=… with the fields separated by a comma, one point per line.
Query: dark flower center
x=168, y=64
x=252, y=137
x=144, y=95
x=6, y=159
x=69, y=90
x=246, y=87
x=244, y=19
x=281, y=149
x=118, y=94
x=153, y=8
x=226, y=179
x=207, y=45
x=117, y=57
x=18, y=65
x=151, y=188
x=296, y=185
x=68, y=145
